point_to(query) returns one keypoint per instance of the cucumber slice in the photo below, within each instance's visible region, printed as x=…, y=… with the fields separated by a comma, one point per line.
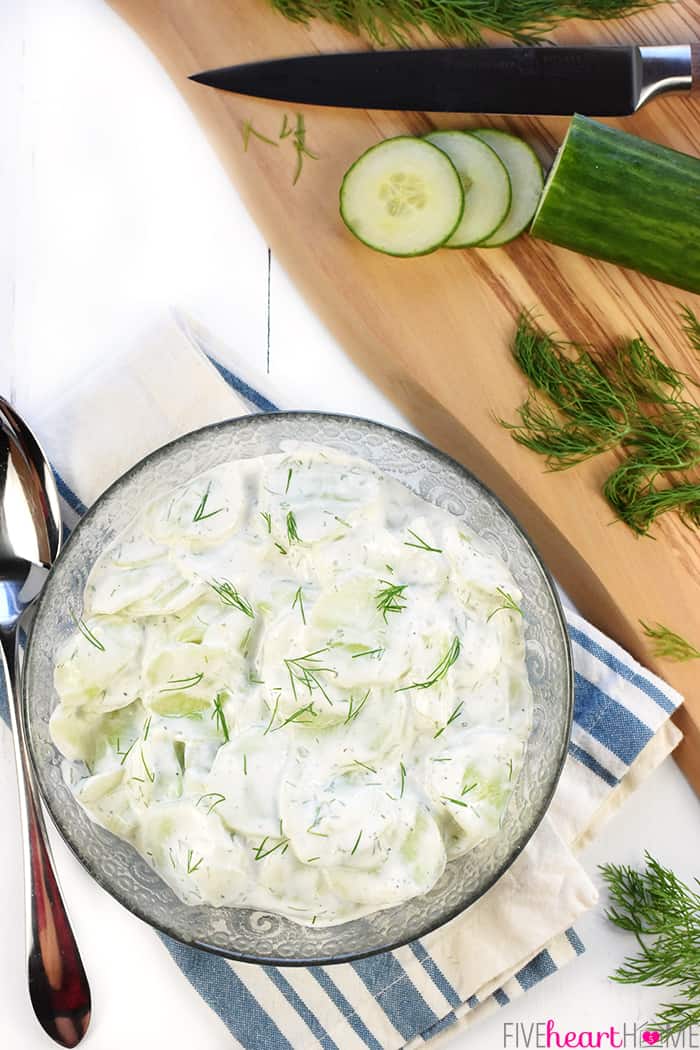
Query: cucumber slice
x=487, y=191
x=402, y=197
x=526, y=179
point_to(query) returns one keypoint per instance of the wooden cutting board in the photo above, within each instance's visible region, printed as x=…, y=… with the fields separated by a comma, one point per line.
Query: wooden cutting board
x=434, y=332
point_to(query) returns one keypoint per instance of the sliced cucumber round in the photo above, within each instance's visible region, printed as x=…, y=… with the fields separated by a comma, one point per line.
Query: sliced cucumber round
x=526, y=180
x=402, y=197
x=486, y=183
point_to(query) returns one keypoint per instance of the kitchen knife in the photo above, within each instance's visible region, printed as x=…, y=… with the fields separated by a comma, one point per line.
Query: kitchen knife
x=595, y=81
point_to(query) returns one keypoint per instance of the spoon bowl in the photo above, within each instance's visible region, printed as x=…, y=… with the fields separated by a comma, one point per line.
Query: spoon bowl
x=30, y=540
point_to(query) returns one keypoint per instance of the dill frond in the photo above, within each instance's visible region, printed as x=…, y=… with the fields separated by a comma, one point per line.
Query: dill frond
x=668, y=644
x=438, y=672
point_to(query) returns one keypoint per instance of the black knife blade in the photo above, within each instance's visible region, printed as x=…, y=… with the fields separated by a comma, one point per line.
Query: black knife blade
x=595, y=81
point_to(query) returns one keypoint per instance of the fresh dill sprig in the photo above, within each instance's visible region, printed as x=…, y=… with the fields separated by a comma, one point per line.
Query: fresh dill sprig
x=439, y=671
x=218, y=714
x=581, y=404
x=370, y=769
x=509, y=602
x=149, y=772
x=668, y=644
x=280, y=548
x=455, y=714
x=267, y=518
x=403, y=778
x=147, y=727
x=691, y=327
x=201, y=513
x=87, y=633
x=368, y=652
x=455, y=801
x=299, y=600
x=125, y=754
x=286, y=130
x=421, y=544
x=216, y=795
x=298, y=717
x=191, y=868
x=390, y=598
x=354, y=709
x=260, y=852
x=306, y=670
x=178, y=685
x=273, y=716
x=663, y=913
x=248, y=130
x=231, y=596
x=292, y=533
x=302, y=150
x=400, y=22
x=289, y=480
x=357, y=843
x=468, y=787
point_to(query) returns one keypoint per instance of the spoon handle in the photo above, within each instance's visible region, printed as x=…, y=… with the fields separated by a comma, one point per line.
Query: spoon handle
x=58, y=986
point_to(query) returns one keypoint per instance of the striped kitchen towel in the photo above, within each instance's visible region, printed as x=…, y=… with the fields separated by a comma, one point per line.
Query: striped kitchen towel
x=522, y=930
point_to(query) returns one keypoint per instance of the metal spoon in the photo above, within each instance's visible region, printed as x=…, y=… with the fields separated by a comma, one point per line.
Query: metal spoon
x=30, y=538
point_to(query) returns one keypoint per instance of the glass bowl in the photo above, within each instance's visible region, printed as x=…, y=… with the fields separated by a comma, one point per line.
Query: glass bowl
x=254, y=936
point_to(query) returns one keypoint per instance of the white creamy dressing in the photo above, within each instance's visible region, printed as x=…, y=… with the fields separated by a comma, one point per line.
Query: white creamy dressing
x=270, y=725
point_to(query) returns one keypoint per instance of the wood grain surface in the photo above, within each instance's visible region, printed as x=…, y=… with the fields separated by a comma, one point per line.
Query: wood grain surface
x=434, y=332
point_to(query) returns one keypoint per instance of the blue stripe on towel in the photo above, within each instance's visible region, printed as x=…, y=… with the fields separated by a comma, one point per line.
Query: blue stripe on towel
x=610, y=723
x=536, y=970
x=64, y=490
x=624, y=671
x=388, y=983
x=575, y=941
x=435, y=973
x=298, y=1004
x=501, y=998
x=254, y=397
x=224, y=991
x=447, y=1022
x=591, y=763
x=346, y=1008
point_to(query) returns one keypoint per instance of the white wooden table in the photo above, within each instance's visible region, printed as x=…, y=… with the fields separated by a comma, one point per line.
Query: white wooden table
x=113, y=209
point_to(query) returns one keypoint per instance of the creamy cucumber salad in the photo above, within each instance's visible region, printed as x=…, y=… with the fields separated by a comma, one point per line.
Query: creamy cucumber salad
x=295, y=686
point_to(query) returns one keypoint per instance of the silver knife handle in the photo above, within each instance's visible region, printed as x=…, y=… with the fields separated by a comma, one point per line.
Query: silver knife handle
x=666, y=68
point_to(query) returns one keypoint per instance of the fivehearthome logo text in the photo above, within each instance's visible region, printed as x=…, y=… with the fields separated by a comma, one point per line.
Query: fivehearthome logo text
x=547, y=1035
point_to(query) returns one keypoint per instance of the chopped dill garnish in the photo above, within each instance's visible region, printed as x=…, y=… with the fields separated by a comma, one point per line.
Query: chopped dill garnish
x=267, y=518
x=191, y=868
x=272, y=716
x=302, y=150
x=353, y=709
x=245, y=765
x=299, y=600
x=306, y=670
x=357, y=843
x=254, y=680
x=230, y=596
x=389, y=567
x=125, y=754
x=297, y=717
x=218, y=714
x=403, y=778
x=342, y=521
x=313, y=921
x=421, y=544
x=439, y=671
x=510, y=768
x=218, y=799
x=199, y=514
x=312, y=859
x=280, y=548
x=668, y=644
x=149, y=773
x=147, y=727
x=285, y=130
x=581, y=404
x=87, y=633
x=455, y=714
x=292, y=533
x=289, y=479
x=260, y=852
x=364, y=766
x=249, y=130
x=509, y=602
x=318, y=834
x=455, y=801
x=390, y=598
x=467, y=788
x=179, y=684
x=368, y=652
